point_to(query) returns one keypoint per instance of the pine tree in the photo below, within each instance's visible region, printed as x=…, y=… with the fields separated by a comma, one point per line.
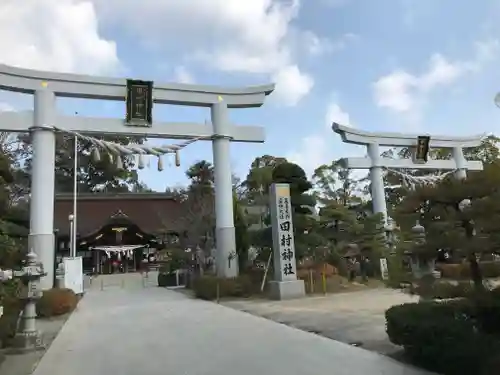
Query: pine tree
x=302, y=205
x=465, y=232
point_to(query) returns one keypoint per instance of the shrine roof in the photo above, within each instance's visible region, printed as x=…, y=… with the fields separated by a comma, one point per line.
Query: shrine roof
x=154, y=213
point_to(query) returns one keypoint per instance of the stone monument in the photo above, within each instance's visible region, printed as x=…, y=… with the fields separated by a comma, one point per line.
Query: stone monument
x=285, y=284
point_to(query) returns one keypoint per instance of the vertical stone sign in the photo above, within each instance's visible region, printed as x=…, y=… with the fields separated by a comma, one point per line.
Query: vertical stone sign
x=285, y=268
x=285, y=284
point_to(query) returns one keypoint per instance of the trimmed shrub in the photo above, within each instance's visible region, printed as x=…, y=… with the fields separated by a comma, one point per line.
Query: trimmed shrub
x=486, y=311
x=166, y=279
x=207, y=287
x=56, y=302
x=444, y=290
x=489, y=269
x=451, y=337
x=8, y=322
x=12, y=306
x=450, y=271
x=256, y=275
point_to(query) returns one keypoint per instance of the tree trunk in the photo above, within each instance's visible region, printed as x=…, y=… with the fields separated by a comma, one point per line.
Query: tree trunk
x=475, y=272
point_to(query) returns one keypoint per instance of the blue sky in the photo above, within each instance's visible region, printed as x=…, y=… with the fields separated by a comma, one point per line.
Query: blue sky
x=389, y=65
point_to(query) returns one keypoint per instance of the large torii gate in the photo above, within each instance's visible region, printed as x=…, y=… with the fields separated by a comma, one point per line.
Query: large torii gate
x=44, y=120
x=375, y=163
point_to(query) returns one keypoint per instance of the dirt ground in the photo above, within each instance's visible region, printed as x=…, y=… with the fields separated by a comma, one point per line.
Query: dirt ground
x=24, y=364
x=355, y=317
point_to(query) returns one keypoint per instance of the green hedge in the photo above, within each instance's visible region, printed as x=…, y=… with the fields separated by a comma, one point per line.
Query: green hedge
x=166, y=279
x=8, y=322
x=12, y=306
x=489, y=269
x=444, y=290
x=207, y=287
x=453, y=338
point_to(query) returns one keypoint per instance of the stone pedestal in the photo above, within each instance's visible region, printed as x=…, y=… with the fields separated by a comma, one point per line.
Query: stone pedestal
x=28, y=338
x=27, y=342
x=281, y=290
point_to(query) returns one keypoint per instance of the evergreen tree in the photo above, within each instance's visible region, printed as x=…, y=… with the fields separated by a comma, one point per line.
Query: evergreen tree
x=93, y=176
x=464, y=231
x=302, y=206
x=335, y=183
x=241, y=233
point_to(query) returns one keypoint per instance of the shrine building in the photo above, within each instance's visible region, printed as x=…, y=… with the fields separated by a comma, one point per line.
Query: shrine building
x=117, y=229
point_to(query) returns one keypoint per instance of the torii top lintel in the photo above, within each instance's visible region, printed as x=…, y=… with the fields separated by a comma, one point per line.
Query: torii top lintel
x=104, y=88
x=360, y=137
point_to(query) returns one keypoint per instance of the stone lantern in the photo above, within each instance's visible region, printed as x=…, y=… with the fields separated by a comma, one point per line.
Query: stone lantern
x=418, y=232
x=28, y=337
x=420, y=265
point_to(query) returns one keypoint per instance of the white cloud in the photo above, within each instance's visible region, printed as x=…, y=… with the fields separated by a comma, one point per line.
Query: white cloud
x=60, y=35
x=291, y=85
x=318, y=148
x=234, y=36
x=182, y=75
x=336, y=114
x=4, y=107
x=404, y=92
x=312, y=153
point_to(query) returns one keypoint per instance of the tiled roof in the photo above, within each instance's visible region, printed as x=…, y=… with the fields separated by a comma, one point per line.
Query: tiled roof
x=152, y=212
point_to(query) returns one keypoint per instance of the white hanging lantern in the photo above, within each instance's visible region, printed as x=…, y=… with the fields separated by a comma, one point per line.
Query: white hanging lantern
x=160, y=163
x=177, y=159
x=119, y=163
x=96, y=155
x=141, y=161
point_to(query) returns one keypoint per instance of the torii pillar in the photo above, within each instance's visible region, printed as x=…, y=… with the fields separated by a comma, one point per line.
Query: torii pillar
x=375, y=163
x=44, y=121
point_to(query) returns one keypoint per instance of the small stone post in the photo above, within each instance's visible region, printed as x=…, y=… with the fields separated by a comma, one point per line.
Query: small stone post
x=28, y=337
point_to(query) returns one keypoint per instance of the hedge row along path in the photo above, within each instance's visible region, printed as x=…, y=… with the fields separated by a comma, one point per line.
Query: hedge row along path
x=151, y=331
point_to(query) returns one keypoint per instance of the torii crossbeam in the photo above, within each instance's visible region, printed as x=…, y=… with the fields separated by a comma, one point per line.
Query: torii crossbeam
x=375, y=163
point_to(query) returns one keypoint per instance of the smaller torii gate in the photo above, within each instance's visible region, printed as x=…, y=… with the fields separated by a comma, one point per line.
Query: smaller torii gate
x=376, y=163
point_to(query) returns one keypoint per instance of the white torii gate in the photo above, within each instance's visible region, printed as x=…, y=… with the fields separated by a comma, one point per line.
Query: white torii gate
x=44, y=121
x=375, y=163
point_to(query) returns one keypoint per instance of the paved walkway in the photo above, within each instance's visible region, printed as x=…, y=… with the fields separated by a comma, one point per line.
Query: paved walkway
x=352, y=317
x=153, y=331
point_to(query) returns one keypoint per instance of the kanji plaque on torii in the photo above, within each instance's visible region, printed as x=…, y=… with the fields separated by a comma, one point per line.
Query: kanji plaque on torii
x=139, y=102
